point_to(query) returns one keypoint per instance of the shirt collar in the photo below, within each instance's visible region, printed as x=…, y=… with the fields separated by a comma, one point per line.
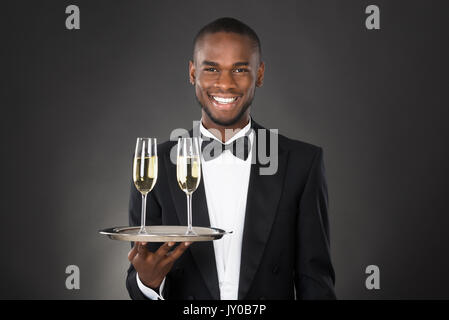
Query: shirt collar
x=239, y=134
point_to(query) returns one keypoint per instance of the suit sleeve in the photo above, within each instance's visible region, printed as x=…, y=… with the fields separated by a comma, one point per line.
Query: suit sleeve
x=314, y=274
x=153, y=217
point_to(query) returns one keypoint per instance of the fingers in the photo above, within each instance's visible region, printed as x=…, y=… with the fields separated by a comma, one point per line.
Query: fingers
x=163, y=253
x=142, y=249
x=180, y=249
x=164, y=250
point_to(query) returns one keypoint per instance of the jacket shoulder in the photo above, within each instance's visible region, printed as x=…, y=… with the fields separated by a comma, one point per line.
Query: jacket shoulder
x=292, y=145
x=297, y=146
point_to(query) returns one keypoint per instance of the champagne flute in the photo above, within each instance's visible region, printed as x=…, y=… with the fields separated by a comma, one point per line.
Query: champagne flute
x=145, y=172
x=188, y=171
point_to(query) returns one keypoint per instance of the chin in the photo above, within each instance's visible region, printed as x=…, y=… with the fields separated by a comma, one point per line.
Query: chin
x=225, y=120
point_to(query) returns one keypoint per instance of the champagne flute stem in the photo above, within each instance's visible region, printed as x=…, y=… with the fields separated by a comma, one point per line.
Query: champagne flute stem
x=189, y=214
x=142, y=217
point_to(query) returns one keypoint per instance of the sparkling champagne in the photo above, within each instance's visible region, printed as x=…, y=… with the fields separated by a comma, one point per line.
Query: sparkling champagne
x=145, y=173
x=188, y=173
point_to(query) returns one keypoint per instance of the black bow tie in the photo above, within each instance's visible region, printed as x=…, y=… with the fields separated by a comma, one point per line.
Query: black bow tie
x=212, y=148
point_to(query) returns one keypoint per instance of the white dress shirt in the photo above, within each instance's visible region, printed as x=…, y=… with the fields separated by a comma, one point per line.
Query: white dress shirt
x=226, y=180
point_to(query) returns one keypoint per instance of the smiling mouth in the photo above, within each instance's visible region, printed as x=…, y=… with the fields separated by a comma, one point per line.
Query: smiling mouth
x=224, y=102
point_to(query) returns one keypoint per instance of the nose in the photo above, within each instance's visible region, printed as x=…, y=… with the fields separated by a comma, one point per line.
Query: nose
x=225, y=81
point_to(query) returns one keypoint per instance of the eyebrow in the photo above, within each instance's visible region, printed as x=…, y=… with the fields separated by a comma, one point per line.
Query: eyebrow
x=209, y=63
x=237, y=64
x=243, y=63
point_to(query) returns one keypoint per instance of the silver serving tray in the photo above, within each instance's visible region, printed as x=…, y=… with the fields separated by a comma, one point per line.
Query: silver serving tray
x=163, y=234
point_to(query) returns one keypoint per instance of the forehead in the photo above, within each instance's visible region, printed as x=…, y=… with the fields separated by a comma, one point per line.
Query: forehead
x=225, y=47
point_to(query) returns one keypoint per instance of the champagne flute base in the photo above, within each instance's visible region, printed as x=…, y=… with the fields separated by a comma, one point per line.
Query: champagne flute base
x=190, y=232
x=143, y=230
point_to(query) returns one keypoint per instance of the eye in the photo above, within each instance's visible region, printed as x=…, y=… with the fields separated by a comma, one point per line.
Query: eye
x=210, y=69
x=240, y=70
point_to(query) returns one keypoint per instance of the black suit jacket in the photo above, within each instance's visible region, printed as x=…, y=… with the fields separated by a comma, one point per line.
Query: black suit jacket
x=285, y=247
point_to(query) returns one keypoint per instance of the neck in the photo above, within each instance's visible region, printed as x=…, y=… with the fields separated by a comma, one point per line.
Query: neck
x=224, y=132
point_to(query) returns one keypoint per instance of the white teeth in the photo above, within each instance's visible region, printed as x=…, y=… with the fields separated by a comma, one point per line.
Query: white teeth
x=224, y=100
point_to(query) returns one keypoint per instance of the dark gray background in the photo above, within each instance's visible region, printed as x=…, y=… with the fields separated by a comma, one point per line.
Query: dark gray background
x=73, y=103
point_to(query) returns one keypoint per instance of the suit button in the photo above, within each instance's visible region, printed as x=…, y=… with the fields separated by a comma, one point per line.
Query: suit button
x=190, y=298
x=276, y=270
x=262, y=298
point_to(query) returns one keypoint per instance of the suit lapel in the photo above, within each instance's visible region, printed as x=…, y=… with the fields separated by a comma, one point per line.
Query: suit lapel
x=202, y=252
x=264, y=192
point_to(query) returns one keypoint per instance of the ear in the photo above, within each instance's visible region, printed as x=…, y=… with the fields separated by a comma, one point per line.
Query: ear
x=260, y=74
x=192, y=71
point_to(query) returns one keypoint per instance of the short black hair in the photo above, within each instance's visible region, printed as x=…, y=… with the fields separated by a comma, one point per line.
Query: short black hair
x=227, y=24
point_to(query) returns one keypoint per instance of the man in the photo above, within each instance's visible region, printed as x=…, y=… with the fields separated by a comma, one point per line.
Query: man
x=279, y=248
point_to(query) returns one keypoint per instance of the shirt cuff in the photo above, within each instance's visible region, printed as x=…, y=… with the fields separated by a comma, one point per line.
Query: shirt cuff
x=148, y=292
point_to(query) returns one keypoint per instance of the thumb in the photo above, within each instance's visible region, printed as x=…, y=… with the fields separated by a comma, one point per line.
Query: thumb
x=133, y=252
